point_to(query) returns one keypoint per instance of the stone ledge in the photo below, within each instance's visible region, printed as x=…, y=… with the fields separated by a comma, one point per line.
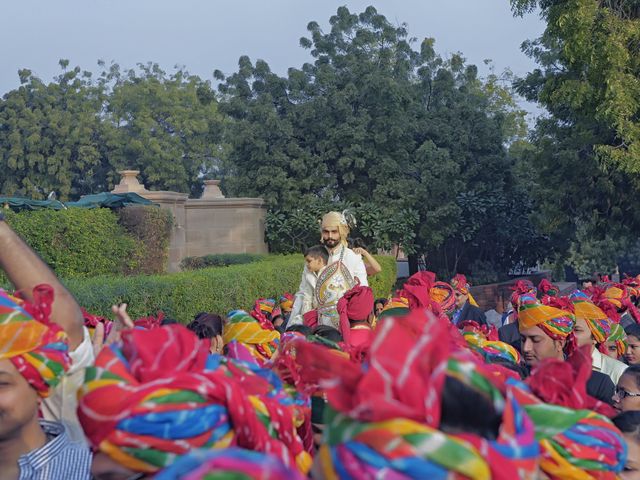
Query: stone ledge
x=225, y=203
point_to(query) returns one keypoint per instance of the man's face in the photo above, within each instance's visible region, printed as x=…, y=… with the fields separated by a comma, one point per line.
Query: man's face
x=18, y=402
x=314, y=264
x=583, y=333
x=461, y=299
x=330, y=236
x=379, y=308
x=587, y=284
x=538, y=346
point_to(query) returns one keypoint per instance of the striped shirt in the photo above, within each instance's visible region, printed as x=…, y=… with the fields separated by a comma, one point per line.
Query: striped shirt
x=59, y=458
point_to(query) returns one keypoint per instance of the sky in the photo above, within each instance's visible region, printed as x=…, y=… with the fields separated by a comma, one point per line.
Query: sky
x=205, y=35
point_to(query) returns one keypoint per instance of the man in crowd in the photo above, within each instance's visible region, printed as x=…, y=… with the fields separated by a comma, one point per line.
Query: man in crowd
x=466, y=306
x=26, y=270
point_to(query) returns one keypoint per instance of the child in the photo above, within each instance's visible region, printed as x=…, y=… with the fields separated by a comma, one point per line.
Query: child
x=316, y=259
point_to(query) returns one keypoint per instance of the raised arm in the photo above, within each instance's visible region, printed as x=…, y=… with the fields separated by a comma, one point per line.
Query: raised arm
x=26, y=269
x=371, y=264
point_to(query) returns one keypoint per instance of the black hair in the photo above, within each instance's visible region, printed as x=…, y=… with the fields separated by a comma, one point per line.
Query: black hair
x=318, y=251
x=514, y=367
x=383, y=301
x=467, y=410
x=629, y=422
x=206, y=325
x=633, y=370
x=330, y=333
x=633, y=330
x=168, y=321
x=303, y=329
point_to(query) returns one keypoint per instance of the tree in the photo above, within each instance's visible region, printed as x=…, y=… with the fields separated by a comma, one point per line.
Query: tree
x=398, y=134
x=51, y=136
x=167, y=126
x=586, y=156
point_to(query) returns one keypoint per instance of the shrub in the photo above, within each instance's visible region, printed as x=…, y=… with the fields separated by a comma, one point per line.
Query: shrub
x=150, y=225
x=184, y=294
x=219, y=260
x=78, y=242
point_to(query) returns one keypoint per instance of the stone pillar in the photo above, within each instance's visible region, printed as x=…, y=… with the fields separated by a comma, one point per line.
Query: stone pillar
x=211, y=190
x=129, y=182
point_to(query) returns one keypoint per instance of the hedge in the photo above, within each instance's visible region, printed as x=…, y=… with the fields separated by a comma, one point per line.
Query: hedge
x=78, y=242
x=219, y=260
x=90, y=242
x=184, y=294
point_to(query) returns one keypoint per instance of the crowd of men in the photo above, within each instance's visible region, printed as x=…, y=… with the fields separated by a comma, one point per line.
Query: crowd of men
x=326, y=383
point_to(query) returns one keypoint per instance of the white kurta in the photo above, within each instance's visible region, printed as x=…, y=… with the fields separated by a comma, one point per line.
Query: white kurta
x=305, y=300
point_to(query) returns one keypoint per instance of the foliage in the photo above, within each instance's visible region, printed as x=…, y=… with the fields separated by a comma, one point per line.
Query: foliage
x=72, y=135
x=51, y=136
x=585, y=158
x=151, y=226
x=219, y=260
x=182, y=295
x=406, y=138
x=78, y=242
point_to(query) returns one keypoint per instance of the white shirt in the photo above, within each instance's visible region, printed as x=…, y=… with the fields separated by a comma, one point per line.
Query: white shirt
x=607, y=365
x=62, y=404
x=304, y=299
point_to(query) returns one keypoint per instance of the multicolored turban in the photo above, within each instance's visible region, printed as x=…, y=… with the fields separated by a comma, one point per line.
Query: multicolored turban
x=460, y=284
x=395, y=307
x=576, y=444
x=491, y=350
x=266, y=306
x=619, y=295
x=230, y=463
x=619, y=336
x=159, y=395
x=286, y=302
x=37, y=347
x=597, y=321
x=444, y=295
x=548, y=289
x=556, y=323
x=260, y=338
x=382, y=419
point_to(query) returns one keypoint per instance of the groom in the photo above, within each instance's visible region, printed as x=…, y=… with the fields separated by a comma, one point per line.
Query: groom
x=344, y=270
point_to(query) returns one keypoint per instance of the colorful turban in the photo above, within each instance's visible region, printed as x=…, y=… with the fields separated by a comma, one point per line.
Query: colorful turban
x=261, y=340
x=416, y=290
x=286, y=302
x=576, y=444
x=597, y=321
x=491, y=350
x=547, y=288
x=619, y=295
x=443, y=294
x=459, y=283
x=37, y=347
x=396, y=307
x=619, y=336
x=382, y=419
x=266, y=306
x=159, y=395
x=556, y=323
x=231, y=463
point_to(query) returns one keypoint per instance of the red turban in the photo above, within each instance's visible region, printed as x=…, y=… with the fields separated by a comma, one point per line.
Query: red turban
x=356, y=304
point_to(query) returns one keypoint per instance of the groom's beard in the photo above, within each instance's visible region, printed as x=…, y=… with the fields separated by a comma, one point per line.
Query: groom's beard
x=331, y=243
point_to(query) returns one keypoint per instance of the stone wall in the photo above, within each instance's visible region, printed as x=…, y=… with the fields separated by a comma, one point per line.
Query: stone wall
x=208, y=225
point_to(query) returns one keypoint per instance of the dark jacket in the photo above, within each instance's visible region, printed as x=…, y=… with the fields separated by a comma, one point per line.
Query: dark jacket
x=469, y=312
x=510, y=334
x=601, y=387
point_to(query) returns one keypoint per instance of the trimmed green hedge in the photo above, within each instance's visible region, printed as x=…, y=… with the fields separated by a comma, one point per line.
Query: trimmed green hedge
x=78, y=242
x=219, y=260
x=182, y=295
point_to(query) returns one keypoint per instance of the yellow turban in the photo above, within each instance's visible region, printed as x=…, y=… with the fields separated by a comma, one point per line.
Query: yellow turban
x=336, y=219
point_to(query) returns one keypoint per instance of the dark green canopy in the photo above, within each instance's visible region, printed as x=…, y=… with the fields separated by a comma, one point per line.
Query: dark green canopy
x=104, y=200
